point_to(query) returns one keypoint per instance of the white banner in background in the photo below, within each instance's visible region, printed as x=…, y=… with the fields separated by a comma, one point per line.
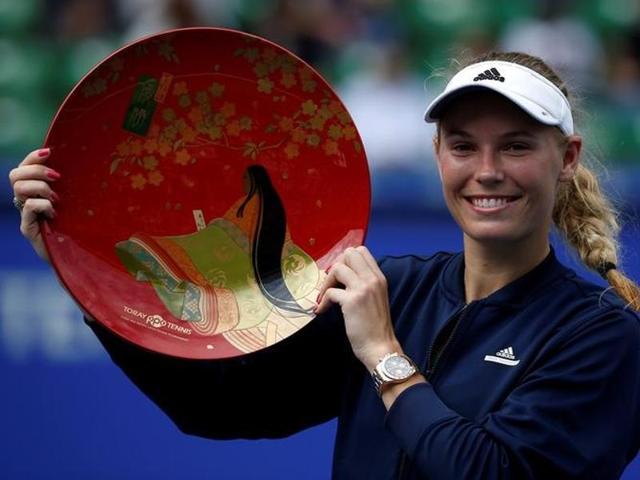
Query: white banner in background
x=38, y=320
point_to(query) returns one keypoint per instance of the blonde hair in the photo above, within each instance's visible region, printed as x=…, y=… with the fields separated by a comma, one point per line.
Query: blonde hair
x=582, y=214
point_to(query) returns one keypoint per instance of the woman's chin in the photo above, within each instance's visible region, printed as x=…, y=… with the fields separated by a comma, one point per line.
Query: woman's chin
x=494, y=235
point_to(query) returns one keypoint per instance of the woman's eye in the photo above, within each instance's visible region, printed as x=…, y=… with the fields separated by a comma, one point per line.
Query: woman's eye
x=461, y=147
x=517, y=147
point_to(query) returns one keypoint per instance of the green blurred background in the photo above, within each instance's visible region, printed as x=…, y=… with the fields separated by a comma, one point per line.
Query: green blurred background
x=377, y=53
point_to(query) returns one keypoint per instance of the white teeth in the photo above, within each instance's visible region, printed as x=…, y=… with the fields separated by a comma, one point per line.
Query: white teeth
x=489, y=202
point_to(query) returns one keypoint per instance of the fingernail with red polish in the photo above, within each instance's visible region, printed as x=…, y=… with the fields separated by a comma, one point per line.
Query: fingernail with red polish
x=53, y=174
x=55, y=197
x=43, y=152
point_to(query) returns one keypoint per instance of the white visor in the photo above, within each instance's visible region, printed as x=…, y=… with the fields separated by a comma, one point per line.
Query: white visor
x=532, y=92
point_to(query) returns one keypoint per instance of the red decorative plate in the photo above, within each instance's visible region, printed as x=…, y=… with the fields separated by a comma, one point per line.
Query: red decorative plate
x=208, y=179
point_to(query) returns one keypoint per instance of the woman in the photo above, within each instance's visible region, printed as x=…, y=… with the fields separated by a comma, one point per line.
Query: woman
x=497, y=362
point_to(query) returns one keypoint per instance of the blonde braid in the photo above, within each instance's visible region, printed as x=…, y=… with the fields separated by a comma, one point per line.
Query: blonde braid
x=582, y=213
x=588, y=222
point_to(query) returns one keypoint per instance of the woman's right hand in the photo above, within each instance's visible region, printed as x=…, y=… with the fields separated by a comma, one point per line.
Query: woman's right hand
x=31, y=181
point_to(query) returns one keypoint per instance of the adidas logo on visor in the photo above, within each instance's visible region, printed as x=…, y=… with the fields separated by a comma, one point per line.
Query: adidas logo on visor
x=492, y=74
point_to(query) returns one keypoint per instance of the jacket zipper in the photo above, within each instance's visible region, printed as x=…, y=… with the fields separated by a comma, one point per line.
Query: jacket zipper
x=452, y=324
x=455, y=321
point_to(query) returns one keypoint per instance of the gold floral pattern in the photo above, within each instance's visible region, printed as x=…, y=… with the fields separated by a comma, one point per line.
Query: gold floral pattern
x=109, y=74
x=163, y=48
x=208, y=117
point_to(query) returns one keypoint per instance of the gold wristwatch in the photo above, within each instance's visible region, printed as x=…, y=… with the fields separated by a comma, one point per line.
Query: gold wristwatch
x=393, y=368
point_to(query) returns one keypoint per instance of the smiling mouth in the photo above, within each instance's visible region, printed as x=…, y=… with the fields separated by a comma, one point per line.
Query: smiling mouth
x=490, y=202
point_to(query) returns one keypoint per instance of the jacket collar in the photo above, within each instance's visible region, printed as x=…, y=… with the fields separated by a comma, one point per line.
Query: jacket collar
x=518, y=292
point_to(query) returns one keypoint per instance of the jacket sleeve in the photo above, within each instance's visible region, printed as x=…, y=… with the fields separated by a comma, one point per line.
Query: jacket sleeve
x=271, y=393
x=574, y=416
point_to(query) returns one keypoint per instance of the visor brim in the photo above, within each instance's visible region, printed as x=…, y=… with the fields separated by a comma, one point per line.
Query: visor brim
x=441, y=102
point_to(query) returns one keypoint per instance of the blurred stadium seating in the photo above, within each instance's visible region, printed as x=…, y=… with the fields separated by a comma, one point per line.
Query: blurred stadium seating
x=47, y=45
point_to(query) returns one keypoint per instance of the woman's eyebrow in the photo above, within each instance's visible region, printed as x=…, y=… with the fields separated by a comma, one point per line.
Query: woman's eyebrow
x=510, y=134
x=518, y=133
x=458, y=133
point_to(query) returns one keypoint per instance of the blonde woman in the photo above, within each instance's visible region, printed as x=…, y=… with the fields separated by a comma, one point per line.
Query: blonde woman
x=495, y=362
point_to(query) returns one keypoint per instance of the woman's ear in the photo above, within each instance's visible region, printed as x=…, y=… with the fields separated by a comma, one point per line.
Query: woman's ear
x=571, y=158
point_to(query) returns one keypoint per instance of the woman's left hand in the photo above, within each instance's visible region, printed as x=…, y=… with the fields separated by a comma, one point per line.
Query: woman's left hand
x=365, y=304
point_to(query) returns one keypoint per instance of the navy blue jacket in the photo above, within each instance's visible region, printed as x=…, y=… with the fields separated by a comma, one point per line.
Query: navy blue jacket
x=540, y=380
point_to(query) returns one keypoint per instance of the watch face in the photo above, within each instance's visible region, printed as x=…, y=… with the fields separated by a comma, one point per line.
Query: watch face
x=398, y=367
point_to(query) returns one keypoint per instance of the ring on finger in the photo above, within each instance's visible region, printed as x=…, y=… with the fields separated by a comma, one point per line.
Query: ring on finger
x=19, y=204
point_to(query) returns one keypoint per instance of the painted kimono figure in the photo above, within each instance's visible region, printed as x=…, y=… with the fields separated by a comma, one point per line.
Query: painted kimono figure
x=240, y=273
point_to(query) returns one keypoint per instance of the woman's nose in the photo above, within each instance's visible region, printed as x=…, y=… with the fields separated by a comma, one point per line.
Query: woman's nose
x=490, y=168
